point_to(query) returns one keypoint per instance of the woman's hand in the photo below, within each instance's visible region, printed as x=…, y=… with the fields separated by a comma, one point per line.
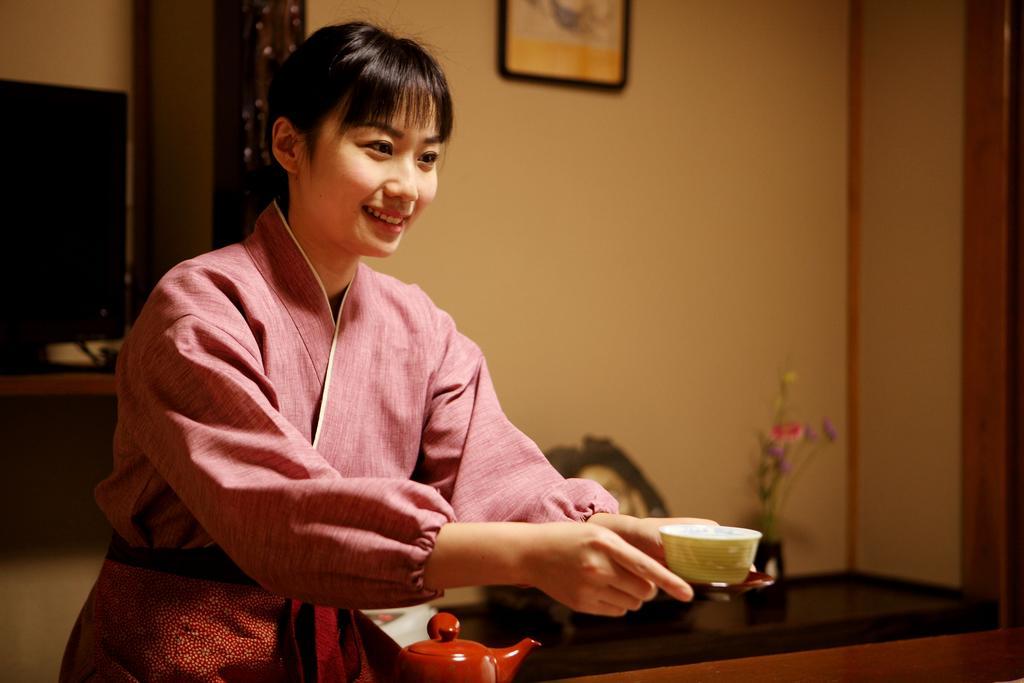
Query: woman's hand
x=594, y=570
x=643, y=533
x=585, y=566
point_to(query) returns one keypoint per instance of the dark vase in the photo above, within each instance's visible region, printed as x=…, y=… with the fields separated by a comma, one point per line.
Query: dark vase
x=769, y=559
x=768, y=605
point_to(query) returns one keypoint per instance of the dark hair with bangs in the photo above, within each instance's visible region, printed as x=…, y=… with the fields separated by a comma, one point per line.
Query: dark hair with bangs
x=362, y=74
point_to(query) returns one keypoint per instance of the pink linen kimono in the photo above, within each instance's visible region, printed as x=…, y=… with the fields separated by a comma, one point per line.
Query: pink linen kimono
x=321, y=458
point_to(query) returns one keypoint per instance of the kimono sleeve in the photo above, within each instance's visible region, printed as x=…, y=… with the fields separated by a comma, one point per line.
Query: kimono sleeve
x=202, y=411
x=486, y=467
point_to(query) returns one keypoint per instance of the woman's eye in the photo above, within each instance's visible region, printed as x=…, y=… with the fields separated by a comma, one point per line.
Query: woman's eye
x=429, y=158
x=381, y=146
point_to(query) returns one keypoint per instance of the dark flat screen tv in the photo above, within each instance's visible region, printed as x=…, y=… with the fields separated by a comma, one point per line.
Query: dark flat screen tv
x=62, y=218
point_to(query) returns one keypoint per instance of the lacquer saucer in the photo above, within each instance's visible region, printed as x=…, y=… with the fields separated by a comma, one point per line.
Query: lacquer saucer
x=723, y=592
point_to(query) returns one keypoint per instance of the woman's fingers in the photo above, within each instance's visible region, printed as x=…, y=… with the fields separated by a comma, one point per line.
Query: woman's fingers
x=603, y=609
x=643, y=566
x=592, y=569
x=636, y=588
x=624, y=602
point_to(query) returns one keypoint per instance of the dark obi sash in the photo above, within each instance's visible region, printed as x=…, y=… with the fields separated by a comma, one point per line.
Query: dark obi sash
x=172, y=614
x=209, y=563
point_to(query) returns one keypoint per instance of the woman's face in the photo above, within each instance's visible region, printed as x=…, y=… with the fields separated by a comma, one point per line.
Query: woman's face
x=363, y=187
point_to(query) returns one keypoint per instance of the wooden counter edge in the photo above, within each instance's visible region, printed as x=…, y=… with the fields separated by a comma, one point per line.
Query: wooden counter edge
x=996, y=655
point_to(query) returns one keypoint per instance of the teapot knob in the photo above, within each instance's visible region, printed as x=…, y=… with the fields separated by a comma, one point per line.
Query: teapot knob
x=443, y=626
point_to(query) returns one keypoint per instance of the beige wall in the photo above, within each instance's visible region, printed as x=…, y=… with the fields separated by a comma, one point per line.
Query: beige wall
x=67, y=42
x=910, y=522
x=638, y=265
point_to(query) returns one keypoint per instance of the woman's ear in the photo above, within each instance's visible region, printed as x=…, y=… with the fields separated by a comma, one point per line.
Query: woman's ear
x=286, y=145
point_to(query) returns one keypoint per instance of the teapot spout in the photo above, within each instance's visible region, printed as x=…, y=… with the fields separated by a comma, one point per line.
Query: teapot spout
x=511, y=658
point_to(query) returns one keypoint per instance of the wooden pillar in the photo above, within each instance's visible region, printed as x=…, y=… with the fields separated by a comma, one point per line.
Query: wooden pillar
x=853, y=260
x=141, y=163
x=993, y=355
x=254, y=37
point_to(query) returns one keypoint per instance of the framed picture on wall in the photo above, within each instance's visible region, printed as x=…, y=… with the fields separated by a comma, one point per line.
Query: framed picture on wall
x=579, y=42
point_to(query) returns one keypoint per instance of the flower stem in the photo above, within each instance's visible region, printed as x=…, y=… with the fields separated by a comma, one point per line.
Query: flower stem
x=800, y=468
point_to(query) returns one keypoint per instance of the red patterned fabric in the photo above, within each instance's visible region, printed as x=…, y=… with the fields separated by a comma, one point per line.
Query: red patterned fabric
x=146, y=625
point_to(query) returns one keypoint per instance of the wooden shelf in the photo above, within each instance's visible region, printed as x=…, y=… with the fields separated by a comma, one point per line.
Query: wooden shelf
x=58, y=384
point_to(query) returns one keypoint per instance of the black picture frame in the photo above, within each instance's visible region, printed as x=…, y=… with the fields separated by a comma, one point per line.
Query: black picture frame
x=546, y=41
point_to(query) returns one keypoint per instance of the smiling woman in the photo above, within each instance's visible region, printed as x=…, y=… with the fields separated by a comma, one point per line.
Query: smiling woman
x=359, y=144
x=300, y=437
x=355, y=192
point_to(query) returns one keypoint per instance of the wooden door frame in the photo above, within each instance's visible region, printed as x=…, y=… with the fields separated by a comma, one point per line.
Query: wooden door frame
x=992, y=316
x=251, y=38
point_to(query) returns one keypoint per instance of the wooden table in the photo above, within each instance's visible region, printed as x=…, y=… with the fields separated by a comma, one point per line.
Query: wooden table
x=984, y=656
x=809, y=613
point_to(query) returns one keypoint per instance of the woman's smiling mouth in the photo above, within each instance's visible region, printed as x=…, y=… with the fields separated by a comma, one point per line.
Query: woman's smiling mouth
x=390, y=219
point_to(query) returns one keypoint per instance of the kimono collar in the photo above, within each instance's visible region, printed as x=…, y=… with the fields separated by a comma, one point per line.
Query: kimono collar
x=290, y=274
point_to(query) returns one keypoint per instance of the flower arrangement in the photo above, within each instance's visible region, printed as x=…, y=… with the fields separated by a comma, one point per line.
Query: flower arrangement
x=785, y=450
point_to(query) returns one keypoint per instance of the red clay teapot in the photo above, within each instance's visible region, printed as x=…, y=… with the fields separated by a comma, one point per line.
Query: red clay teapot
x=446, y=659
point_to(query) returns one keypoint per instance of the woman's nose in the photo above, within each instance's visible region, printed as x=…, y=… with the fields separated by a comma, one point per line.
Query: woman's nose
x=402, y=184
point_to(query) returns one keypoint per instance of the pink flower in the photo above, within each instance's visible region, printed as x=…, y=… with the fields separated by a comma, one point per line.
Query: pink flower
x=787, y=432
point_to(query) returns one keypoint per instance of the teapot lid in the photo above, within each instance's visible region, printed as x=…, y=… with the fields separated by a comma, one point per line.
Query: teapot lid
x=443, y=629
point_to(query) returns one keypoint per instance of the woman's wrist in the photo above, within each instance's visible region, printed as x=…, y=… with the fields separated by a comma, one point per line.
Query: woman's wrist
x=623, y=525
x=479, y=554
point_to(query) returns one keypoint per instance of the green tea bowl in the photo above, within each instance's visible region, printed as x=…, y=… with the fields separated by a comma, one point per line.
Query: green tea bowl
x=702, y=553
